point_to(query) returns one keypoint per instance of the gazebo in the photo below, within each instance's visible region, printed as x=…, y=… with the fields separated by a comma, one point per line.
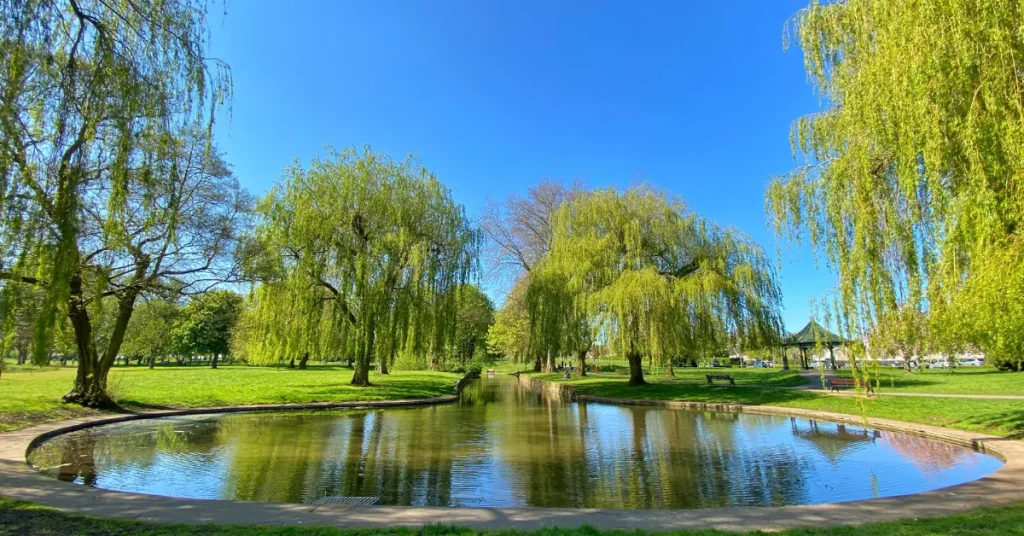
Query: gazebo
x=812, y=336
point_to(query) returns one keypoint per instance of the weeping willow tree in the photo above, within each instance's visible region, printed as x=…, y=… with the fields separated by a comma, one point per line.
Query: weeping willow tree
x=911, y=188
x=509, y=335
x=94, y=96
x=360, y=256
x=658, y=281
x=559, y=323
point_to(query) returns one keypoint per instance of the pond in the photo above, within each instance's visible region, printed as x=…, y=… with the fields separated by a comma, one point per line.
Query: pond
x=504, y=445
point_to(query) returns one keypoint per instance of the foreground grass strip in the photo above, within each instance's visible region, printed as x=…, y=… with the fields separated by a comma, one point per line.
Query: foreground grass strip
x=997, y=417
x=21, y=518
x=33, y=396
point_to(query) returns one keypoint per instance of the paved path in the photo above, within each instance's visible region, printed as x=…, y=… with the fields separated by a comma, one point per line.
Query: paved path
x=1006, y=486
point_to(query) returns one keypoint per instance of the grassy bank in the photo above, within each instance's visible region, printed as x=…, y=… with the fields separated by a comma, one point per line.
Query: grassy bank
x=964, y=380
x=30, y=395
x=998, y=417
x=20, y=518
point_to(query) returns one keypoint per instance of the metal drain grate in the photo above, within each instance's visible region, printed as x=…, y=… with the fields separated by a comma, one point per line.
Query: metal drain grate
x=337, y=499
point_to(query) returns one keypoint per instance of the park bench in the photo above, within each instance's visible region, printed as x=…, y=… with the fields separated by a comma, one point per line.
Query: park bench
x=835, y=383
x=490, y=372
x=722, y=377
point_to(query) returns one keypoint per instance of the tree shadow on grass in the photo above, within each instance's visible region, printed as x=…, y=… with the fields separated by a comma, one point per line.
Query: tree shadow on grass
x=1006, y=420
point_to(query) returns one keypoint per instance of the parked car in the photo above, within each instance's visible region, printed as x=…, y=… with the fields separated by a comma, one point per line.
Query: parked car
x=939, y=364
x=973, y=362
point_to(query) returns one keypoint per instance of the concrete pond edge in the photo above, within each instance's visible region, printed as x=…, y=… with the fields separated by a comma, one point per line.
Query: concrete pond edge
x=20, y=481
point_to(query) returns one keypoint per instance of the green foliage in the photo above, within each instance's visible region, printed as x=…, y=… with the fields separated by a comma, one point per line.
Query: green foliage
x=911, y=187
x=473, y=320
x=510, y=334
x=109, y=186
x=358, y=256
x=205, y=323
x=655, y=280
x=149, y=332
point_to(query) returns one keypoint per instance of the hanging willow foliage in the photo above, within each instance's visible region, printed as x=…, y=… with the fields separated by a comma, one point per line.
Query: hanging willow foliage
x=94, y=99
x=912, y=181
x=360, y=256
x=656, y=280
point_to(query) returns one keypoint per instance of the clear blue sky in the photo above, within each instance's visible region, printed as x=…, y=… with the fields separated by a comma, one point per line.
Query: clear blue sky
x=695, y=98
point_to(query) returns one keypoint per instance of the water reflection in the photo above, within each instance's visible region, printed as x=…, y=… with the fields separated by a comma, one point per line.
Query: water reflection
x=503, y=445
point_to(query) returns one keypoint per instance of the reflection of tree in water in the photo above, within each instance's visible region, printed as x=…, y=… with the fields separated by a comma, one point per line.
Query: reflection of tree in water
x=82, y=456
x=928, y=455
x=832, y=439
x=641, y=458
x=694, y=460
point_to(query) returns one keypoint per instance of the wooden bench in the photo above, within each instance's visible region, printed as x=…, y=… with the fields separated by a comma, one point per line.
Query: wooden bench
x=835, y=383
x=723, y=377
x=490, y=372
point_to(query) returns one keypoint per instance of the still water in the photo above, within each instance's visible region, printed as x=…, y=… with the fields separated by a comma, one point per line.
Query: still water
x=503, y=445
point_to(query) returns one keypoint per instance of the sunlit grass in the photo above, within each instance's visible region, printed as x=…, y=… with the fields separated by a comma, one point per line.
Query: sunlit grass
x=963, y=380
x=29, y=395
x=998, y=417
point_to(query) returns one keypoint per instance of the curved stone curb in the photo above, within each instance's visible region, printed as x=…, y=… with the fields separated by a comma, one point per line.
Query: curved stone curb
x=19, y=481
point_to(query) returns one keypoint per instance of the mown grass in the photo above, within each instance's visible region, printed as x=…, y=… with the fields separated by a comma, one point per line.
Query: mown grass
x=963, y=380
x=997, y=417
x=32, y=395
x=21, y=518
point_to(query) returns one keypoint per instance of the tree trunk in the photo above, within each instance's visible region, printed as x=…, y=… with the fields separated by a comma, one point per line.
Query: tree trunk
x=669, y=371
x=581, y=362
x=550, y=366
x=213, y=360
x=382, y=365
x=832, y=357
x=537, y=363
x=636, y=368
x=303, y=361
x=785, y=359
x=90, y=388
x=152, y=362
x=361, y=376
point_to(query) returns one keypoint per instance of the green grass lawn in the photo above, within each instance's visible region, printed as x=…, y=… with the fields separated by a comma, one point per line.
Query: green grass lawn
x=964, y=380
x=21, y=518
x=998, y=417
x=31, y=395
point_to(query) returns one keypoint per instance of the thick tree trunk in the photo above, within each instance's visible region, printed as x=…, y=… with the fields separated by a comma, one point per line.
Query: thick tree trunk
x=291, y=364
x=669, y=371
x=90, y=388
x=361, y=376
x=581, y=362
x=152, y=362
x=537, y=365
x=303, y=361
x=550, y=366
x=382, y=366
x=785, y=359
x=213, y=360
x=636, y=368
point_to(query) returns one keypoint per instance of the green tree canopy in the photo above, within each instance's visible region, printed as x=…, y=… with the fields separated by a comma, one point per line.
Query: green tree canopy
x=96, y=100
x=911, y=186
x=473, y=319
x=149, y=332
x=659, y=281
x=510, y=334
x=204, y=325
x=358, y=255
